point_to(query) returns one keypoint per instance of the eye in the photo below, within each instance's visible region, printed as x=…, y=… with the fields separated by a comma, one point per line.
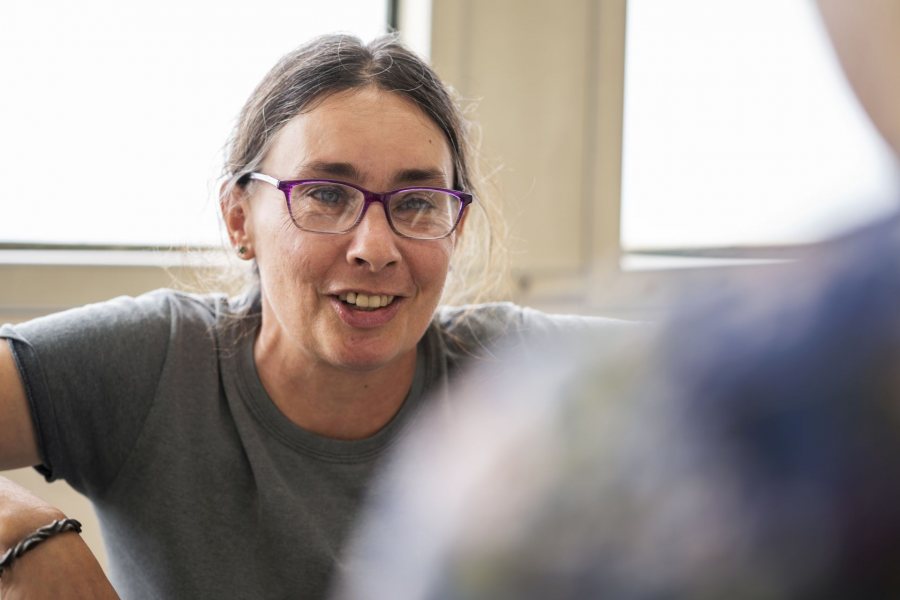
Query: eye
x=323, y=206
x=423, y=213
x=329, y=195
x=414, y=203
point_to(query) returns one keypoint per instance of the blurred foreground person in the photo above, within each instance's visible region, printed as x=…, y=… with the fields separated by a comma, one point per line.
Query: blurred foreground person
x=751, y=449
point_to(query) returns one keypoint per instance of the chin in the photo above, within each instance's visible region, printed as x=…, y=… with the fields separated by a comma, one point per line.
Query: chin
x=368, y=358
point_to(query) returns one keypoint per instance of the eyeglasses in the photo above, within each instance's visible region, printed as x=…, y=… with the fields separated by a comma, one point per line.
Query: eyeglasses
x=328, y=206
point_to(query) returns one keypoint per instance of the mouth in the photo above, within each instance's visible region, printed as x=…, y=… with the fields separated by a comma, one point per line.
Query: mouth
x=367, y=302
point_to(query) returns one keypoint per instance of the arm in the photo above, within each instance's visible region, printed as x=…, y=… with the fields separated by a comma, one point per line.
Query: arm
x=63, y=566
x=18, y=445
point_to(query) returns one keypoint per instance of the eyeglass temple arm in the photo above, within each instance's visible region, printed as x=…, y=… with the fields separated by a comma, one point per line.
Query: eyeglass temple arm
x=264, y=177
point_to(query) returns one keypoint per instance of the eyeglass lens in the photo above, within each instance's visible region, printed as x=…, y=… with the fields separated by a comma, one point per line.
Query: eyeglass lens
x=334, y=208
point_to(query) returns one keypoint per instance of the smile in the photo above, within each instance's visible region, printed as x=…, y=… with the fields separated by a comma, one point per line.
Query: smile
x=365, y=301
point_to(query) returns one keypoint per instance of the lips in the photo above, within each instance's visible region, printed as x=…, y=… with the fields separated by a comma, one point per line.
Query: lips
x=368, y=317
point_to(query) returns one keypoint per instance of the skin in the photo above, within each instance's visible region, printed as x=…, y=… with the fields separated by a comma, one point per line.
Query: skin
x=866, y=37
x=330, y=368
x=61, y=567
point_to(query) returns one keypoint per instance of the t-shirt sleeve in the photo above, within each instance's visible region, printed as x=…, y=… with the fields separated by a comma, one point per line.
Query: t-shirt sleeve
x=90, y=375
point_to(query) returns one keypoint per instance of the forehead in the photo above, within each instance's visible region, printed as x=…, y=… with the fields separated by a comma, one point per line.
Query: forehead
x=378, y=133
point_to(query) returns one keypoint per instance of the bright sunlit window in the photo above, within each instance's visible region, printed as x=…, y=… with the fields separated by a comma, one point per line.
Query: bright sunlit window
x=115, y=114
x=740, y=129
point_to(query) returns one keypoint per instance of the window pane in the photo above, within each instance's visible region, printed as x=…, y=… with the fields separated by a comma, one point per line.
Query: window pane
x=114, y=114
x=740, y=129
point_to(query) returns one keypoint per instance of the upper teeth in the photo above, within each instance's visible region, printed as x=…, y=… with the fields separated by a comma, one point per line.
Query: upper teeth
x=366, y=301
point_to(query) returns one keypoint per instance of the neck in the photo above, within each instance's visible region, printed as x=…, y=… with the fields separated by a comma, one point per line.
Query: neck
x=332, y=402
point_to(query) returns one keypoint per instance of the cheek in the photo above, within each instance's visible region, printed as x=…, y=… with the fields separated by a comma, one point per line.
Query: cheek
x=445, y=251
x=296, y=261
x=430, y=264
x=271, y=237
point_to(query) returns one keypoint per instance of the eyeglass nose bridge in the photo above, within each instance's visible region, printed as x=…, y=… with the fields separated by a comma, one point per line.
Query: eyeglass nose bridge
x=370, y=198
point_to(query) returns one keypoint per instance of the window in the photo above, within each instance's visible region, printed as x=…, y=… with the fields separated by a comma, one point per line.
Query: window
x=740, y=130
x=115, y=114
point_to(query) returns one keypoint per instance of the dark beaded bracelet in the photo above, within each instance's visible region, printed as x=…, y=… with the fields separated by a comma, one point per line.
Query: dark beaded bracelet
x=36, y=538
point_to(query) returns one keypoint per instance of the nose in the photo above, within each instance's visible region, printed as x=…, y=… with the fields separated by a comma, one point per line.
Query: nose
x=374, y=244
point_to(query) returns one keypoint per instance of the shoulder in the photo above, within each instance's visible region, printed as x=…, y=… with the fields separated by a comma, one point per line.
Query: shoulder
x=151, y=313
x=826, y=327
x=506, y=317
x=473, y=327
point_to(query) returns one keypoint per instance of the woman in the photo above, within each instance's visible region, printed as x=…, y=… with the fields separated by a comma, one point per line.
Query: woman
x=227, y=443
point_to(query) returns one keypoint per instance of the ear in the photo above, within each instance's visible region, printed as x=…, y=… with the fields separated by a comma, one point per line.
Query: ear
x=234, y=205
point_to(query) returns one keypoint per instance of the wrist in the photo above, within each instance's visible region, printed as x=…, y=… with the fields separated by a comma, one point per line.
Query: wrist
x=35, y=539
x=21, y=513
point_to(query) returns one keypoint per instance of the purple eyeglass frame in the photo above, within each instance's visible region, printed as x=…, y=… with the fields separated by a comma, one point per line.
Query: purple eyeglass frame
x=287, y=185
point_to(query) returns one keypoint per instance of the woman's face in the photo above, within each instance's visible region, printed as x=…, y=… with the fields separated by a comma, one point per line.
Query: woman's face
x=380, y=141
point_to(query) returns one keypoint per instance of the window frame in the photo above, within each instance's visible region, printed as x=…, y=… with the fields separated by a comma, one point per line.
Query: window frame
x=39, y=279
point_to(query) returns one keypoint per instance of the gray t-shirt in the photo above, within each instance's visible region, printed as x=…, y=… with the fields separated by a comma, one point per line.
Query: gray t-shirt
x=152, y=407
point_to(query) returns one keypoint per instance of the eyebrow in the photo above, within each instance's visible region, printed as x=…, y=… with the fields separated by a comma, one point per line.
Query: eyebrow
x=330, y=169
x=420, y=176
x=343, y=170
